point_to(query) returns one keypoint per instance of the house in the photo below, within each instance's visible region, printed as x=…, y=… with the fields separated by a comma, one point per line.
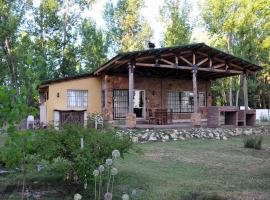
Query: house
x=172, y=82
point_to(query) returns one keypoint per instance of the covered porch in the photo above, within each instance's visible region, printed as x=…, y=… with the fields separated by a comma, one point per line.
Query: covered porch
x=176, y=81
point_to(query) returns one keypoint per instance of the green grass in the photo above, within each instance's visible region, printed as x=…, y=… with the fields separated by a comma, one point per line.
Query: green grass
x=171, y=170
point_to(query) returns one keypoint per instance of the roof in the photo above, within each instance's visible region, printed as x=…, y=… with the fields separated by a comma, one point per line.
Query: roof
x=79, y=76
x=120, y=62
x=203, y=51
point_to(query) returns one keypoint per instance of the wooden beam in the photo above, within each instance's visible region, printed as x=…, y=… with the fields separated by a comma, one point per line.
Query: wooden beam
x=193, y=58
x=166, y=61
x=203, y=61
x=189, y=68
x=185, y=60
x=218, y=66
x=211, y=63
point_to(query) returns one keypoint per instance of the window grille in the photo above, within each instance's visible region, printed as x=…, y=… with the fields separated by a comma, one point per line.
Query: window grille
x=120, y=104
x=202, y=99
x=77, y=98
x=180, y=102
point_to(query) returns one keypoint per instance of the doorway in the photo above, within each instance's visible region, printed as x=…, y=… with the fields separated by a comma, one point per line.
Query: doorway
x=139, y=103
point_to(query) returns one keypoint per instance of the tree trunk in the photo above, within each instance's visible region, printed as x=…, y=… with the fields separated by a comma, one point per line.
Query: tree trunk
x=238, y=91
x=12, y=66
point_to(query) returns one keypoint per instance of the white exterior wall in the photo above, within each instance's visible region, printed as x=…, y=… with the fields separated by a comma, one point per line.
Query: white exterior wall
x=262, y=113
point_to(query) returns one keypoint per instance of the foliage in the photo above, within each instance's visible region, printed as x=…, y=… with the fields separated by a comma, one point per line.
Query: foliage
x=175, y=18
x=62, y=152
x=253, y=142
x=241, y=28
x=94, y=46
x=127, y=29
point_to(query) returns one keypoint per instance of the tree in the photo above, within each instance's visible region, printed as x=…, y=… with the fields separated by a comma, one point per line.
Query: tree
x=94, y=46
x=127, y=28
x=241, y=27
x=175, y=18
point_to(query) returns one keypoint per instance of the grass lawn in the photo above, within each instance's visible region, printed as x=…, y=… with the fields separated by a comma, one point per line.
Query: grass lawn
x=169, y=170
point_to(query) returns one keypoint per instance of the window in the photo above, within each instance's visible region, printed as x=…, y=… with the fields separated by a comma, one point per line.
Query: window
x=77, y=98
x=202, y=99
x=180, y=102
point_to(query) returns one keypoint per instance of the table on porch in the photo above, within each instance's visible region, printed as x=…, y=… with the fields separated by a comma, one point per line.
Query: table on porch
x=160, y=117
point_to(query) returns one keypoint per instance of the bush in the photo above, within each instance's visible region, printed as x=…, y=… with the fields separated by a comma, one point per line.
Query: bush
x=61, y=151
x=254, y=142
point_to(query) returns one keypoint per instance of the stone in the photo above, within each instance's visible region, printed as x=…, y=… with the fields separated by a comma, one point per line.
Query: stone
x=173, y=135
x=165, y=137
x=210, y=135
x=224, y=138
x=217, y=138
x=181, y=138
x=239, y=131
x=145, y=136
x=152, y=138
x=135, y=139
x=247, y=131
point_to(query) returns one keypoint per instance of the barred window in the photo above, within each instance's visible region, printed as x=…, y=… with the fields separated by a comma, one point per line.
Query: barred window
x=180, y=102
x=202, y=99
x=77, y=98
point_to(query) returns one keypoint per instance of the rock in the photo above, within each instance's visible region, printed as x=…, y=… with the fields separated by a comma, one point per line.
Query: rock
x=247, y=132
x=165, y=137
x=210, y=135
x=181, y=138
x=145, y=136
x=224, y=138
x=174, y=136
x=152, y=138
x=217, y=138
x=135, y=139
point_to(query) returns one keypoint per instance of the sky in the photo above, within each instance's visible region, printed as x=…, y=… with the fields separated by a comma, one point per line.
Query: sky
x=151, y=14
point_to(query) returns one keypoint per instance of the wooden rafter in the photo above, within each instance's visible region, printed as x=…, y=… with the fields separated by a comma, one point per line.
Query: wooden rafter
x=201, y=62
x=166, y=61
x=218, y=66
x=185, y=60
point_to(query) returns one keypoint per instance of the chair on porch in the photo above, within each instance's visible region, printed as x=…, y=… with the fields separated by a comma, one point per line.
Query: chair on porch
x=151, y=117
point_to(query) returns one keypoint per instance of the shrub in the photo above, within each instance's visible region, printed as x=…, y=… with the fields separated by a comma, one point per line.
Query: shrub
x=61, y=151
x=254, y=142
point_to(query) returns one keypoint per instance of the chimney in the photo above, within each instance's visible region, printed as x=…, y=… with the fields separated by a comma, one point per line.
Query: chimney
x=151, y=45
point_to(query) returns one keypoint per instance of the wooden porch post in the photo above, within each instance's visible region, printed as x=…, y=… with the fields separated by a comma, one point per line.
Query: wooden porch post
x=195, y=116
x=195, y=90
x=130, y=88
x=194, y=83
x=131, y=118
x=245, y=91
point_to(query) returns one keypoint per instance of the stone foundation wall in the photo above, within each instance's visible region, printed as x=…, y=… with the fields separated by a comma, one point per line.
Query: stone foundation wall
x=150, y=135
x=156, y=90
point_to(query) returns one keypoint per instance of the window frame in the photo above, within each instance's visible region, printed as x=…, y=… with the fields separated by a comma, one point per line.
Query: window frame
x=180, y=105
x=83, y=97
